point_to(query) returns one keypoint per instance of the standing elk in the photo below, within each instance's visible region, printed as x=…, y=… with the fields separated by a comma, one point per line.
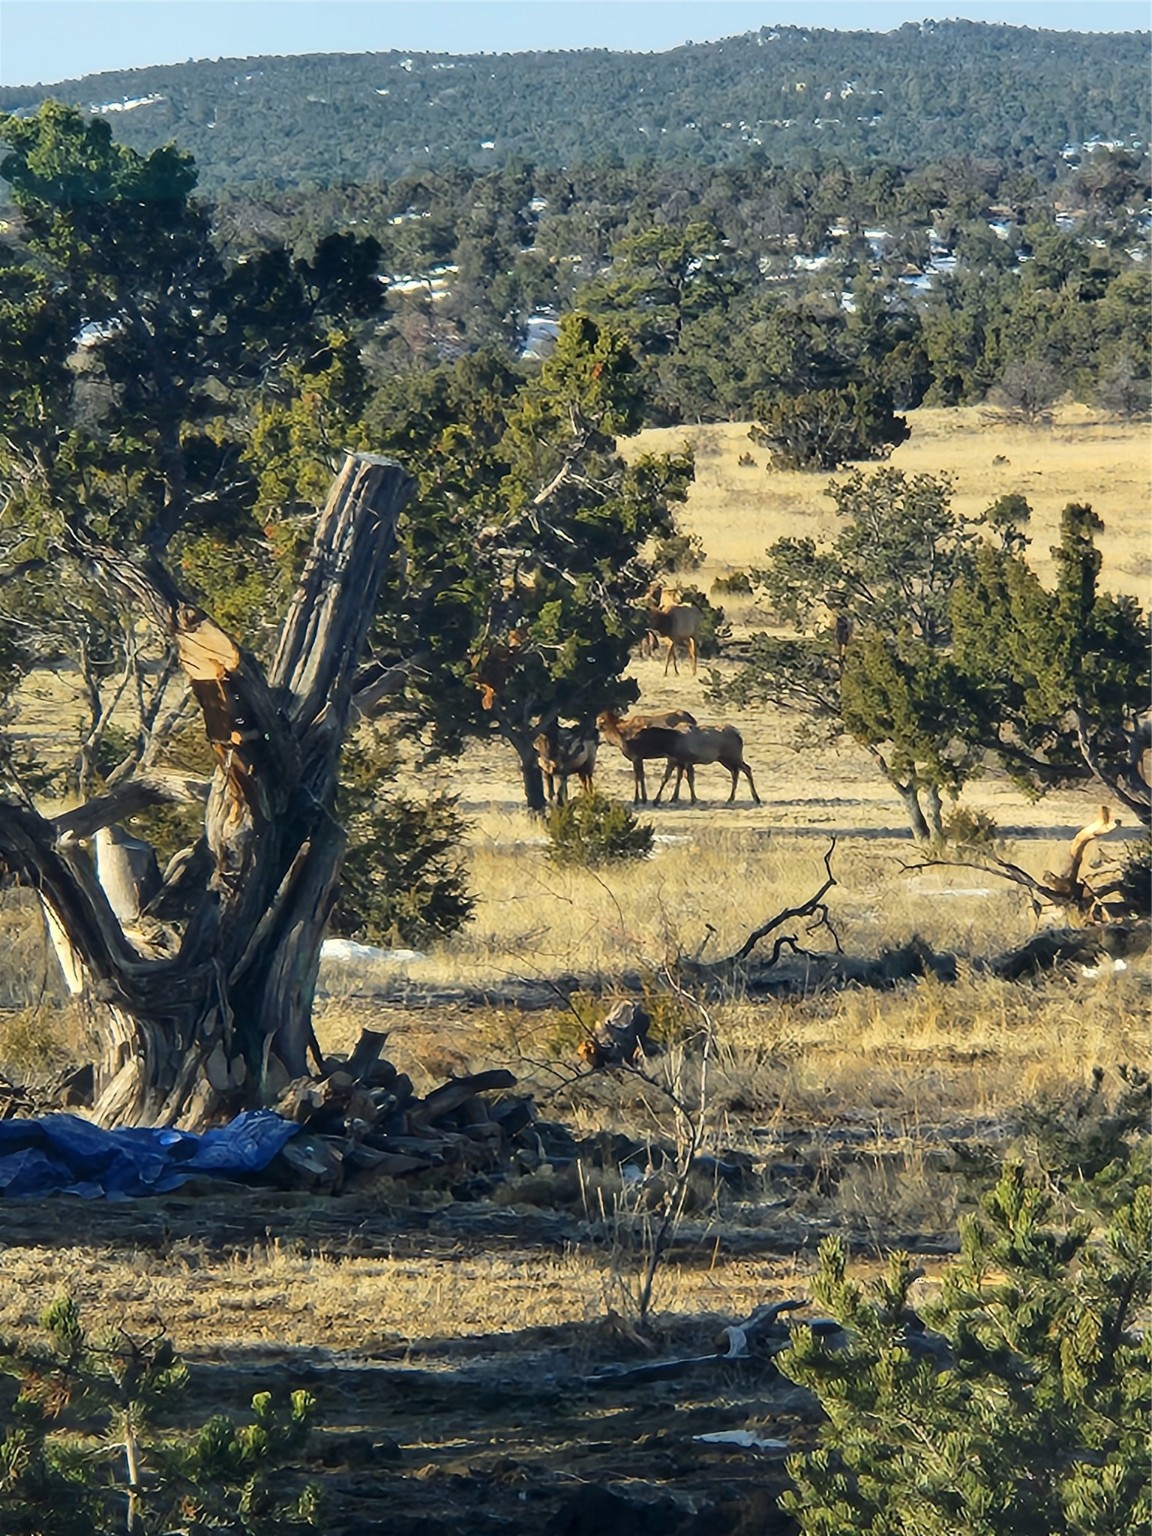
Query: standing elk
x=702, y=744
x=564, y=750
x=682, y=744
x=642, y=737
x=674, y=624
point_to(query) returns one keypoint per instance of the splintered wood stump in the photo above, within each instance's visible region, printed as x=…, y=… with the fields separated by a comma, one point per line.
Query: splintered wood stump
x=621, y=1039
x=223, y=1020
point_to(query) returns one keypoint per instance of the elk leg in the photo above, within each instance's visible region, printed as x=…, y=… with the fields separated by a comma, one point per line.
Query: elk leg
x=669, y=769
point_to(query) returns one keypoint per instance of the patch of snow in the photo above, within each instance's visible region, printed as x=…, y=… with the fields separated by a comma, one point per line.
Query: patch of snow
x=347, y=952
x=540, y=336
x=1092, y=971
x=128, y=104
x=744, y=1438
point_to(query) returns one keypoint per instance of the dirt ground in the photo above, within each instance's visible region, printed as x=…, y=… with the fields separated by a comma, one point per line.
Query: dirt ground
x=522, y=1421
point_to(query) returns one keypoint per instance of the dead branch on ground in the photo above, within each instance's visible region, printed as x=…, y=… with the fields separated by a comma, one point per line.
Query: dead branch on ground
x=815, y=908
x=1069, y=888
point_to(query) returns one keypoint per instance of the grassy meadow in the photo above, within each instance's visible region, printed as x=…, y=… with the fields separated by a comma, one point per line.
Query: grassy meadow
x=449, y=1334
x=894, y=1075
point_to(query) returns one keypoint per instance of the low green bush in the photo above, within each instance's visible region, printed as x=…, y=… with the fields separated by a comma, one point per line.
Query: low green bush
x=592, y=829
x=79, y=1455
x=404, y=877
x=1023, y=1413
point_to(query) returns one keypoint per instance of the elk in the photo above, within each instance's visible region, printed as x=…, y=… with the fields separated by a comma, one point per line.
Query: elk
x=642, y=737
x=682, y=743
x=564, y=750
x=698, y=745
x=673, y=622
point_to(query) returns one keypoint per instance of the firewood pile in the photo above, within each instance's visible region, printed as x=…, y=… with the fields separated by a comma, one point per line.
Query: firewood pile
x=363, y=1119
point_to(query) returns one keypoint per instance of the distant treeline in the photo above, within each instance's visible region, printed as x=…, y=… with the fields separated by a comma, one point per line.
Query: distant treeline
x=787, y=96
x=938, y=284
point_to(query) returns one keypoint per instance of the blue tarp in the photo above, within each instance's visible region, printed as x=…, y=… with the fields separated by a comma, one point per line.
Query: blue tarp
x=65, y=1155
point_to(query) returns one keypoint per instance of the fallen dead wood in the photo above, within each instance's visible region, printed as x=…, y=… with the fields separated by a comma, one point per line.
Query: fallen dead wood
x=1071, y=889
x=621, y=1039
x=363, y=1118
x=1066, y=946
x=815, y=908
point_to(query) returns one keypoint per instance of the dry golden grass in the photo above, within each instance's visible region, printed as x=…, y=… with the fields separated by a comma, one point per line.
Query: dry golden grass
x=277, y=1297
x=902, y=1069
x=739, y=510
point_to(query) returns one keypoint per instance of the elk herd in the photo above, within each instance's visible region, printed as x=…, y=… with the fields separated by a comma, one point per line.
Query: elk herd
x=676, y=738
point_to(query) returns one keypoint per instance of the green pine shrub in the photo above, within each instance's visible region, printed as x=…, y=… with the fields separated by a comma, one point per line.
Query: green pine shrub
x=968, y=828
x=734, y=584
x=404, y=878
x=79, y=1455
x=591, y=830
x=1136, y=878
x=825, y=428
x=1028, y=1414
x=680, y=552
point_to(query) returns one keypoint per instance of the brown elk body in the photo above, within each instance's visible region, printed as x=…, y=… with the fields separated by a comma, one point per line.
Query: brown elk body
x=629, y=735
x=671, y=623
x=703, y=744
x=682, y=744
x=564, y=751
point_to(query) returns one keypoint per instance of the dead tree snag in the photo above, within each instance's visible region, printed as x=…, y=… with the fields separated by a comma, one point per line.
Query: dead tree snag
x=224, y=1022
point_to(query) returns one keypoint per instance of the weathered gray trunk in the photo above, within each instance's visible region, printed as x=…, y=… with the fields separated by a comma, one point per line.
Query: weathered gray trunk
x=532, y=776
x=910, y=798
x=227, y=1020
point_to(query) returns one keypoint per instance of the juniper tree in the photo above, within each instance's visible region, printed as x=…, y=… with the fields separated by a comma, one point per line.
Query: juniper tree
x=1062, y=676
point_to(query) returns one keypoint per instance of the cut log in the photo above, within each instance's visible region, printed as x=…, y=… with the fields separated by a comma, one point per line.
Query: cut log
x=365, y=1055
x=621, y=1039
x=442, y=1101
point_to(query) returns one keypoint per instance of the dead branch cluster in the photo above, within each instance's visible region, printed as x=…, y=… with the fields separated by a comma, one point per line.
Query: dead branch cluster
x=1075, y=888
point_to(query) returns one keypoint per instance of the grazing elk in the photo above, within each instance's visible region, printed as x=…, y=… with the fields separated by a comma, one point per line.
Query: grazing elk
x=683, y=745
x=564, y=750
x=641, y=738
x=672, y=623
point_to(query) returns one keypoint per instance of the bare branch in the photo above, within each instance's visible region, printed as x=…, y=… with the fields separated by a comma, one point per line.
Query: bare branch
x=128, y=799
x=813, y=906
x=1065, y=888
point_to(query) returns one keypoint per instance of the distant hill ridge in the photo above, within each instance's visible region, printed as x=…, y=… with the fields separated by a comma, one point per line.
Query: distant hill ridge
x=926, y=91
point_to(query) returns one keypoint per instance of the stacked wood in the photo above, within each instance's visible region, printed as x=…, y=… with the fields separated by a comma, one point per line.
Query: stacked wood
x=364, y=1118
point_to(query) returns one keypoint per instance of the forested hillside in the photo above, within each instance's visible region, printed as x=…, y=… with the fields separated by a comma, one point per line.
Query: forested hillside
x=785, y=95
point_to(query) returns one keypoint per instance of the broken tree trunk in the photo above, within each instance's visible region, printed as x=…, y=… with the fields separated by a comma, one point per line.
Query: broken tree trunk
x=224, y=1022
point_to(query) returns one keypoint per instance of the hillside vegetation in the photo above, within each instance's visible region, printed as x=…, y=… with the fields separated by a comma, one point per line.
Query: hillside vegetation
x=782, y=95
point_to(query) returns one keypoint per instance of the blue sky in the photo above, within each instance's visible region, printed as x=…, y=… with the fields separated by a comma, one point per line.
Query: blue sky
x=50, y=40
